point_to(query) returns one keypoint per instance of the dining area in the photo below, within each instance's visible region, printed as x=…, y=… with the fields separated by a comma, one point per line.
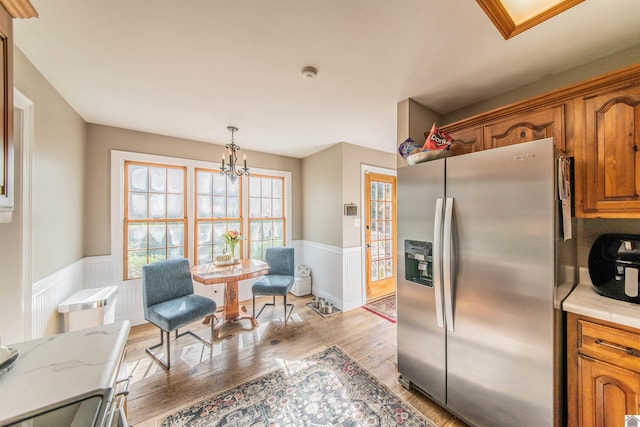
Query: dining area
x=170, y=302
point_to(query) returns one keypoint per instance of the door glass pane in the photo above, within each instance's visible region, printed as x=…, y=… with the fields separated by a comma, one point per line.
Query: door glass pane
x=381, y=191
x=373, y=213
x=388, y=195
x=374, y=271
x=373, y=193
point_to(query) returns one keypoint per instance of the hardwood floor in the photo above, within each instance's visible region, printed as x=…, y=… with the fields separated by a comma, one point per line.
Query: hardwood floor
x=241, y=354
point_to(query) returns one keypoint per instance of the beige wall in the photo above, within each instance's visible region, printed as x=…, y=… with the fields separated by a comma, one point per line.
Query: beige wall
x=331, y=179
x=353, y=157
x=58, y=173
x=103, y=139
x=322, y=197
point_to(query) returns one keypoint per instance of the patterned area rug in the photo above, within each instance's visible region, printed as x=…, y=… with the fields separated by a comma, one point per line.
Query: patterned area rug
x=328, y=388
x=384, y=307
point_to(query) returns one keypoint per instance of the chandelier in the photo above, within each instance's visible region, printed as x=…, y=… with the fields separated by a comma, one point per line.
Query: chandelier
x=232, y=170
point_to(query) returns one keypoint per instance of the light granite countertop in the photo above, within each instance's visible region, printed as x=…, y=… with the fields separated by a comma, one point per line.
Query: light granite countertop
x=586, y=301
x=59, y=369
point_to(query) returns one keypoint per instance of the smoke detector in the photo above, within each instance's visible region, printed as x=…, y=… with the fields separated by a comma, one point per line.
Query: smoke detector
x=309, y=73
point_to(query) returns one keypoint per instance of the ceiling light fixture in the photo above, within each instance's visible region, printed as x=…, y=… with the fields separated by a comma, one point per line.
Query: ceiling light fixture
x=231, y=170
x=309, y=73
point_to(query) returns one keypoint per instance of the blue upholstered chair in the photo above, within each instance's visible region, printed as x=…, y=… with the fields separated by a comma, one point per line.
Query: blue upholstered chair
x=279, y=280
x=169, y=302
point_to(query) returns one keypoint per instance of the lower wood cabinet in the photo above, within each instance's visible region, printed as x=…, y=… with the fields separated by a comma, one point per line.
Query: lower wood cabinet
x=603, y=372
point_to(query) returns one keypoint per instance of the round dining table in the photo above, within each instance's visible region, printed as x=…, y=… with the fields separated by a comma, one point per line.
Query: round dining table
x=230, y=274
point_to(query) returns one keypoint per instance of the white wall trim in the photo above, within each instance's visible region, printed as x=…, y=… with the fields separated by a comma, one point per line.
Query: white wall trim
x=27, y=108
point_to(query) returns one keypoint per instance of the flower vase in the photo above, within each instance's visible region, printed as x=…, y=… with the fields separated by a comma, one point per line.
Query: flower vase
x=232, y=249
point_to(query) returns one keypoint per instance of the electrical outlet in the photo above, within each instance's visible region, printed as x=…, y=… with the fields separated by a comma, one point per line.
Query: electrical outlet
x=356, y=222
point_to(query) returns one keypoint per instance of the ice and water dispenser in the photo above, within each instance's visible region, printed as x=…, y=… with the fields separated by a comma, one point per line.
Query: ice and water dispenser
x=418, y=262
x=614, y=263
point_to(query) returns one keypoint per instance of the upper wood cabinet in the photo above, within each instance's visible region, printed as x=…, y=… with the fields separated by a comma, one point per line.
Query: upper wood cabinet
x=609, y=153
x=596, y=121
x=466, y=141
x=526, y=127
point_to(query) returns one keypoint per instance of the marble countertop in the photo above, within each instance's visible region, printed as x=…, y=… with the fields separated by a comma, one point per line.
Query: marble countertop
x=60, y=369
x=586, y=301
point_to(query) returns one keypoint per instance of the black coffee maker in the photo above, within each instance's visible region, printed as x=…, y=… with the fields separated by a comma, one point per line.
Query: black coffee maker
x=614, y=263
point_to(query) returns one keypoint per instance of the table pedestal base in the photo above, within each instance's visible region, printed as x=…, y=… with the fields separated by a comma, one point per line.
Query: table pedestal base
x=231, y=310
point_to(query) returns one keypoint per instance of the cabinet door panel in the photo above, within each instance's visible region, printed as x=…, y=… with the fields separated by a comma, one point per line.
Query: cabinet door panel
x=527, y=127
x=608, y=393
x=466, y=141
x=612, y=153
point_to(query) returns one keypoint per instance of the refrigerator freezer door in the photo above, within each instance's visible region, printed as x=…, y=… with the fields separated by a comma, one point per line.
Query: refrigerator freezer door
x=421, y=342
x=500, y=353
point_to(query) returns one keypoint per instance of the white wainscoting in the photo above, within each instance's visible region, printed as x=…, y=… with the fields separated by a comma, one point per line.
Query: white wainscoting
x=352, y=282
x=336, y=274
x=48, y=293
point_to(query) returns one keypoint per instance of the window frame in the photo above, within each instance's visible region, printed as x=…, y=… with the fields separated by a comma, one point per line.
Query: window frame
x=149, y=220
x=117, y=170
x=241, y=218
x=283, y=218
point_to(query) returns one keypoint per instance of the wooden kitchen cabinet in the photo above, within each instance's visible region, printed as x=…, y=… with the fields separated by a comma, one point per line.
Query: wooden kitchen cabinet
x=603, y=368
x=527, y=126
x=609, y=171
x=466, y=141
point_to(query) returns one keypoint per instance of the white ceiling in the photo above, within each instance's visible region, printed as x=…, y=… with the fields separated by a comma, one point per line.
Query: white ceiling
x=189, y=68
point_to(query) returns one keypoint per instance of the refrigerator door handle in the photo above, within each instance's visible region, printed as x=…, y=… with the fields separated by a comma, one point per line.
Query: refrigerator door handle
x=446, y=262
x=437, y=262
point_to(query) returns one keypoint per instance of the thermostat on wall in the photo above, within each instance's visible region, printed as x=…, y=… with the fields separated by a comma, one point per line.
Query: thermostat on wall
x=350, y=209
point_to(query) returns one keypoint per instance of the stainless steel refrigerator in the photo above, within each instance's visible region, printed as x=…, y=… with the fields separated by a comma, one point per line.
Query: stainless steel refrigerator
x=482, y=270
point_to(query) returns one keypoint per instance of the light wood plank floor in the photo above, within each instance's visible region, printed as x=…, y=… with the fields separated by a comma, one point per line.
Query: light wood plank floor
x=241, y=354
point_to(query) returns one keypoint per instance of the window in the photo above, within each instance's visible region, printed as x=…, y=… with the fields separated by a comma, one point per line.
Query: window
x=154, y=215
x=168, y=207
x=266, y=214
x=218, y=209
